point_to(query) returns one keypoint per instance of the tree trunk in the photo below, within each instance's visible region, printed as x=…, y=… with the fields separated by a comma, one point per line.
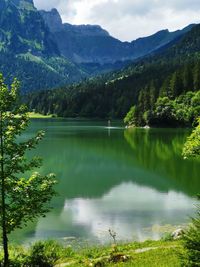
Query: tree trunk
x=5, y=248
x=4, y=230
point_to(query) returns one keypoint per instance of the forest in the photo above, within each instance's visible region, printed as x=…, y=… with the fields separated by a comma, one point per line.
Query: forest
x=165, y=80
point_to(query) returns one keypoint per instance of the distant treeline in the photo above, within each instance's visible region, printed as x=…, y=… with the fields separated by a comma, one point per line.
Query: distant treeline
x=113, y=97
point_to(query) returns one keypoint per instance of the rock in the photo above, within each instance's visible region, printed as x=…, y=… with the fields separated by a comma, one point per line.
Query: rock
x=119, y=258
x=177, y=234
x=52, y=19
x=99, y=264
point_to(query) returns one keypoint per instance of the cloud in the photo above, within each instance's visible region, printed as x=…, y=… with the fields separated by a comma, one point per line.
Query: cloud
x=127, y=19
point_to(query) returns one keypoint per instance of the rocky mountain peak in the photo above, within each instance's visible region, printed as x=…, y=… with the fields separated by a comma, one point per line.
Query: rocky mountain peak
x=53, y=19
x=86, y=29
x=20, y=2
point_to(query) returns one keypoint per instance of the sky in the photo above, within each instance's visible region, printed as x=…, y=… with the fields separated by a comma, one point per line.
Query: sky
x=127, y=20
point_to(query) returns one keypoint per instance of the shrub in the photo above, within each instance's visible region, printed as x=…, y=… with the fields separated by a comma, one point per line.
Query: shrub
x=191, y=243
x=45, y=254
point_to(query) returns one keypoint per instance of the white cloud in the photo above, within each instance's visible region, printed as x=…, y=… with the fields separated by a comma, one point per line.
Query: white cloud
x=127, y=19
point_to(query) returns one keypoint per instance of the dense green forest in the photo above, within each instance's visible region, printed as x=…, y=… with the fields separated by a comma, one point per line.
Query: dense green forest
x=175, y=103
x=50, y=71
x=151, y=84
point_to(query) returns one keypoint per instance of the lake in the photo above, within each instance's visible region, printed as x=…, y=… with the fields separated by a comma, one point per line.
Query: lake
x=132, y=181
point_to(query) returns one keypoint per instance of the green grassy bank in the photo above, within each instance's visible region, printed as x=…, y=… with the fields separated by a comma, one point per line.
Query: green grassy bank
x=146, y=254
x=33, y=115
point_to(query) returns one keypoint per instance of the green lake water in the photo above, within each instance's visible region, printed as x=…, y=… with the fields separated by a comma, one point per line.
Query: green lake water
x=133, y=181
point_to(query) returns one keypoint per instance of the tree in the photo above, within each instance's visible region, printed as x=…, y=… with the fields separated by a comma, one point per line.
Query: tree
x=192, y=146
x=191, y=236
x=176, y=84
x=197, y=76
x=187, y=78
x=152, y=95
x=130, y=117
x=191, y=243
x=164, y=111
x=21, y=199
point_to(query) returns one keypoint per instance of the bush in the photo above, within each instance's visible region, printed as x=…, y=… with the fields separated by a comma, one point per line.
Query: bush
x=130, y=117
x=18, y=256
x=45, y=254
x=191, y=243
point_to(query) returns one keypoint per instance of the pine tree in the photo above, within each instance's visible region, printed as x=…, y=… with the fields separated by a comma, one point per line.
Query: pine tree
x=152, y=95
x=188, y=78
x=165, y=89
x=176, y=85
x=196, y=84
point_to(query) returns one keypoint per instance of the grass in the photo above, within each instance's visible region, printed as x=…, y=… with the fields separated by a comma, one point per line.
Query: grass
x=146, y=254
x=51, y=253
x=33, y=115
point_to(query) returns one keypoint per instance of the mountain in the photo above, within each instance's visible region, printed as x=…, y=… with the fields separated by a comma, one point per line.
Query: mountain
x=43, y=53
x=170, y=75
x=23, y=29
x=28, y=51
x=89, y=44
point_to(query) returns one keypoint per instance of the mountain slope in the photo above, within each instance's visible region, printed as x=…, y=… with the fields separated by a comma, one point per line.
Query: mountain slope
x=43, y=53
x=169, y=74
x=92, y=44
x=28, y=51
x=23, y=29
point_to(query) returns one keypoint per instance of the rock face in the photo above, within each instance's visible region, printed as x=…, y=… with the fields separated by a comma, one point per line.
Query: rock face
x=92, y=44
x=22, y=29
x=42, y=52
x=52, y=19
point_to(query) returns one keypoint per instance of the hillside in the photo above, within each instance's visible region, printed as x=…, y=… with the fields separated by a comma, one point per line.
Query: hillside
x=28, y=51
x=111, y=96
x=44, y=53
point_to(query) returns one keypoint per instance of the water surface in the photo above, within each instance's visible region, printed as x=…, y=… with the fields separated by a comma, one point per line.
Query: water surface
x=133, y=181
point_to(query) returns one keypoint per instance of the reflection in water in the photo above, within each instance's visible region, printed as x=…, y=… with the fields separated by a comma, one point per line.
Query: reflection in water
x=159, y=151
x=126, y=180
x=128, y=209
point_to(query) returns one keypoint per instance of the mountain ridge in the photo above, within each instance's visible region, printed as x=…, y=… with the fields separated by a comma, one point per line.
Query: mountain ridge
x=92, y=44
x=173, y=73
x=36, y=45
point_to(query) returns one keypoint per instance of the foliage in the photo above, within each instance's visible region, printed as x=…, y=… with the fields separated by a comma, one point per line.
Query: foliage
x=181, y=111
x=191, y=237
x=38, y=73
x=171, y=73
x=129, y=119
x=192, y=146
x=22, y=199
x=41, y=254
x=191, y=240
x=45, y=254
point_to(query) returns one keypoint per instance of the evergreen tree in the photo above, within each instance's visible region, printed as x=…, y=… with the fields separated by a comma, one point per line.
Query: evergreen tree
x=196, y=85
x=176, y=85
x=187, y=78
x=165, y=88
x=152, y=95
x=21, y=199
